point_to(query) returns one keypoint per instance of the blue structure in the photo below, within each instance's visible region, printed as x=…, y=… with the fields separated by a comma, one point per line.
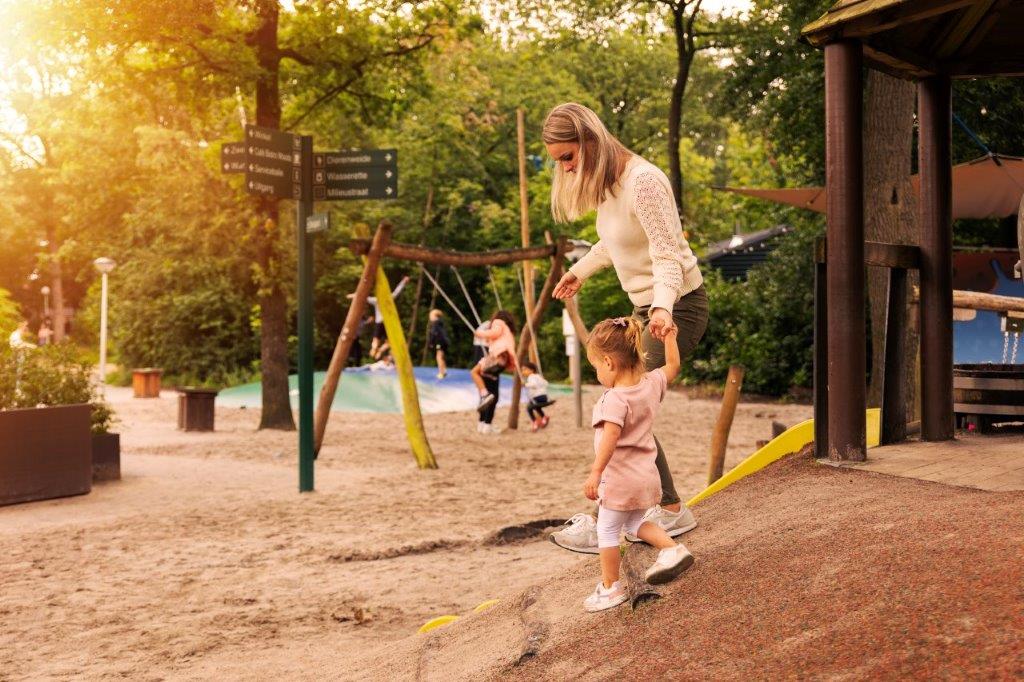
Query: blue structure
x=981, y=339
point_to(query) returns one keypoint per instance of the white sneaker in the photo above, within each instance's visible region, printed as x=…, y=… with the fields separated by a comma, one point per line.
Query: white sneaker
x=669, y=564
x=579, y=535
x=481, y=427
x=673, y=523
x=603, y=598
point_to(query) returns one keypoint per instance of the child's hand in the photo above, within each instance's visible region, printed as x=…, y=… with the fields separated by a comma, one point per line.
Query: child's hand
x=670, y=334
x=590, y=487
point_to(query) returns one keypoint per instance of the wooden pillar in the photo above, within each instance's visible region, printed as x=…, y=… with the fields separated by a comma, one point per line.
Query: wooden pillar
x=820, y=357
x=936, y=210
x=893, y=428
x=844, y=168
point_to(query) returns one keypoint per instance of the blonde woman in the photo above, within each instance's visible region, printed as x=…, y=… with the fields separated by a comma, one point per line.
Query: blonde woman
x=641, y=237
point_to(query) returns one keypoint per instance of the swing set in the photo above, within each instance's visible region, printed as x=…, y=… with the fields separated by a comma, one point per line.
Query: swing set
x=373, y=251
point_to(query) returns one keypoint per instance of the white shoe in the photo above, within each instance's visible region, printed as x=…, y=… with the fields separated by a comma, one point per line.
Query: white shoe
x=579, y=535
x=673, y=523
x=481, y=426
x=603, y=598
x=669, y=564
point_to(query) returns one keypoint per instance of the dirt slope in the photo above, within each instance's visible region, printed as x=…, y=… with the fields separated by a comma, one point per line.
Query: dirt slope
x=803, y=571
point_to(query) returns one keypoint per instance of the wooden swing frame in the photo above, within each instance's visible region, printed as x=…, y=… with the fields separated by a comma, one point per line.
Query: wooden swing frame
x=373, y=251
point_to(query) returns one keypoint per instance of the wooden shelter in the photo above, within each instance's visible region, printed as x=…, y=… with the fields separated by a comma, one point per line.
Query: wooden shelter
x=930, y=42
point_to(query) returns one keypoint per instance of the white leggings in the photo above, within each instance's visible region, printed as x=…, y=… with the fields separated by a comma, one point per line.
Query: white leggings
x=611, y=521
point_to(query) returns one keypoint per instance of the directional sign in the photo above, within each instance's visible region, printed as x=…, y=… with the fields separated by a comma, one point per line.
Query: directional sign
x=356, y=157
x=232, y=157
x=318, y=222
x=355, y=174
x=272, y=161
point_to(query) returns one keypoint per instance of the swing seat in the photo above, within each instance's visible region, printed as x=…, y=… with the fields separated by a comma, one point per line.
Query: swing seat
x=543, y=403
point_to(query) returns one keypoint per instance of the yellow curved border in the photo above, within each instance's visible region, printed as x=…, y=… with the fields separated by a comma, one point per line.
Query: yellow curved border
x=486, y=605
x=786, y=443
x=436, y=623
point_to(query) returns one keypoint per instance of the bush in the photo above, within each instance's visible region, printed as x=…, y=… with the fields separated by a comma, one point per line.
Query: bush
x=57, y=374
x=764, y=323
x=186, y=316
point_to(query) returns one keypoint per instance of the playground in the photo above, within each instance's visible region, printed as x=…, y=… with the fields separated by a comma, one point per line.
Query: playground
x=654, y=339
x=203, y=558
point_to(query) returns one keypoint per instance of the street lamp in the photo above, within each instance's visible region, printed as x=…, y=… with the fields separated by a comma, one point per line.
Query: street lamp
x=45, y=291
x=104, y=265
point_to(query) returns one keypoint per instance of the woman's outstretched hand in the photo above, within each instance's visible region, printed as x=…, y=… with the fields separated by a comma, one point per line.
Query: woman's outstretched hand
x=567, y=287
x=660, y=324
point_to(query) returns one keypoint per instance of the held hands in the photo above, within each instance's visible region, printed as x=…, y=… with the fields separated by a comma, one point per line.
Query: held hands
x=590, y=487
x=567, y=287
x=661, y=324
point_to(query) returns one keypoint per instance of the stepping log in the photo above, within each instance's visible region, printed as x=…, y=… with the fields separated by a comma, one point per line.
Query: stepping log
x=635, y=562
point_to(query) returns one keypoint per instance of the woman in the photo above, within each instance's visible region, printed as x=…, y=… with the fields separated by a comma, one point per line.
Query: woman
x=641, y=237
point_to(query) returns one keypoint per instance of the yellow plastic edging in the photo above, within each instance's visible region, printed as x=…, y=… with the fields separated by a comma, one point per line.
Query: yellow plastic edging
x=436, y=623
x=486, y=605
x=786, y=443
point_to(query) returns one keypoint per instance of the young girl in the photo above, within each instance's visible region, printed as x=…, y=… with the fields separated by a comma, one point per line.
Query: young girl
x=537, y=390
x=624, y=476
x=501, y=345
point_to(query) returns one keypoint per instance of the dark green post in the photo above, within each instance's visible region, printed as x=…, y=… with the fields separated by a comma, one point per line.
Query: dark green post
x=304, y=209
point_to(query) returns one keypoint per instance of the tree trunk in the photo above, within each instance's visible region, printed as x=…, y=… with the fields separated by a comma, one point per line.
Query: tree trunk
x=684, y=58
x=889, y=206
x=277, y=411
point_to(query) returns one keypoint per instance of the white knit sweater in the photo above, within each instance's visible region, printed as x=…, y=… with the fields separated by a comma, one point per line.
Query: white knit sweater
x=641, y=237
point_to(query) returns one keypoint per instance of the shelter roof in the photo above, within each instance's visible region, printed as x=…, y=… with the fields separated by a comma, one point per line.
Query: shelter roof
x=919, y=38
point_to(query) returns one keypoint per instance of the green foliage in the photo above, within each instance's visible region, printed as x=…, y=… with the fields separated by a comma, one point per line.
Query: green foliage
x=764, y=323
x=186, y=316
x=10, y=315
x=57, y=374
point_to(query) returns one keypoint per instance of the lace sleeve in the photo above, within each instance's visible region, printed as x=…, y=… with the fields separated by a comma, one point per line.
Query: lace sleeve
x=656, y=212
x=596, y=259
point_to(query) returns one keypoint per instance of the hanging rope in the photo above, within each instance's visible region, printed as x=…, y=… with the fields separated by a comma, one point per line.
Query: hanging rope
x=465, y=292
x=469, y=325
x=529, y=322
x=494, y=287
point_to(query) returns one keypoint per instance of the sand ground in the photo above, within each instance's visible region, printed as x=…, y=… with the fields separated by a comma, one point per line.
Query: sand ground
x=205, y=561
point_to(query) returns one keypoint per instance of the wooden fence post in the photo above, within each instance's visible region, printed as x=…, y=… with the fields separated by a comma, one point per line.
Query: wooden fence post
x=720, y=438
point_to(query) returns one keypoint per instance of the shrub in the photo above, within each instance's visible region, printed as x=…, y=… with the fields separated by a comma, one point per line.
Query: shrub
x=57, y=374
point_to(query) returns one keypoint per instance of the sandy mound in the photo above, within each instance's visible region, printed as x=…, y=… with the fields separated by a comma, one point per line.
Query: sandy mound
x=802, y=570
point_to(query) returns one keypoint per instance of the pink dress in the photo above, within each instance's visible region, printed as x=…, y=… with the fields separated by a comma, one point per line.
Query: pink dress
x=631, y=481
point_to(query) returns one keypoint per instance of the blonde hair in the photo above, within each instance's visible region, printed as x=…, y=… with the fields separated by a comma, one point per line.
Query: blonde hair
x=435, y=314
x=620, y=338
x=597, y=170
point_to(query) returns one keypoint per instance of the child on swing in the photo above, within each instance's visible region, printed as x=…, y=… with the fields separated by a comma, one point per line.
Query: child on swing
x=624, y=476
x=501, y=354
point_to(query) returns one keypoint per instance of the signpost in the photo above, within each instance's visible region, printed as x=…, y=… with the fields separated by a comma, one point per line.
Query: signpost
x=284, y=166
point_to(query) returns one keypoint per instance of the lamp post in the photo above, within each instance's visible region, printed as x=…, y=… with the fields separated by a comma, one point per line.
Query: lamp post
x=45, y=291
x=104, y=265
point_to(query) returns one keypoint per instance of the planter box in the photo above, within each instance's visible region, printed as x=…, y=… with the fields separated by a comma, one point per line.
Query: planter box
x=195, y=408
x=146, y=382
x=45, y=452
x=106, y=457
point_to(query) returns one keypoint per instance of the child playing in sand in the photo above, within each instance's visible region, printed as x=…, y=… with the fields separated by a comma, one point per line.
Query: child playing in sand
x=624, y=476
x=537, y=392
x=501, y=343
x=437, y=338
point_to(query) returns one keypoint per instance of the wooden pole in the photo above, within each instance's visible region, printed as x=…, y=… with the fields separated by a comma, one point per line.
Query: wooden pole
x=720, y=437
x=844, y=170
x=935, y=207
x=524, y=225
x=403, y=368
x=461, y=259
x=524, y=219
x=348, y=333
x=524, y=339
x=576, y=361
